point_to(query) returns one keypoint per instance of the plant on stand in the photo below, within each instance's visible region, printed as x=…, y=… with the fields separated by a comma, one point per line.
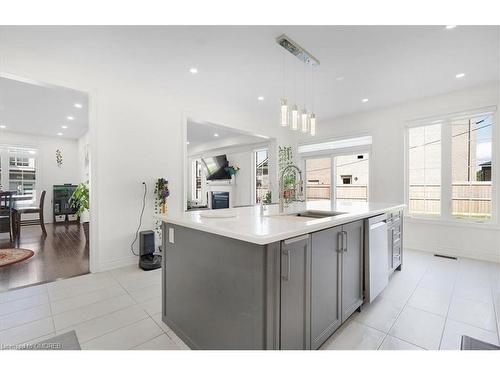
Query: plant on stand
x=161, y=194
x=290, y=177
x=80, y=201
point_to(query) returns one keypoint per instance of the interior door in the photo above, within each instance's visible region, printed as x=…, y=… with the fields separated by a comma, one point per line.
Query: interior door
x=352, y=268
x=325, y=284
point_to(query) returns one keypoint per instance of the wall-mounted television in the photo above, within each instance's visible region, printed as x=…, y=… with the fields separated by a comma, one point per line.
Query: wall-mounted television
x=215, y=168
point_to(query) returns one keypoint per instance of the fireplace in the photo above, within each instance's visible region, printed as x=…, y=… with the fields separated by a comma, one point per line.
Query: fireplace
x=220, y=199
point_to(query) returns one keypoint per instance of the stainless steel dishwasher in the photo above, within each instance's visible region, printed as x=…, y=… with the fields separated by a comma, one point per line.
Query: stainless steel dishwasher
x=376, y=260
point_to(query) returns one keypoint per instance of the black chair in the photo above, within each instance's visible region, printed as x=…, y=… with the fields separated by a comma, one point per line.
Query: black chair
x=31, y=210
x=6, y=216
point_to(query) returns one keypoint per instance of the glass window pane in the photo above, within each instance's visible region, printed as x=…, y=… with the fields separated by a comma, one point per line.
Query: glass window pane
x=318, y=178
x=424, y=170
x=352, y=176
x=471, y=168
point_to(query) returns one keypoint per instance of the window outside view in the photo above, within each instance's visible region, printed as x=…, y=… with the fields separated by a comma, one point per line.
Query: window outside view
x=351, y=178
x=471, y=162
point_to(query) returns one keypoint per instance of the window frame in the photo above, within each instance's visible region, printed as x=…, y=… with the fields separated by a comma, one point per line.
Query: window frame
x=332, y=154
x=254, y=171
x=7, y=151
x=446, y=214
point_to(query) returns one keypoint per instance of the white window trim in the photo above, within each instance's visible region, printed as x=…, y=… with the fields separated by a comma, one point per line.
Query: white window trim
x=446, y=177
x=4, y=156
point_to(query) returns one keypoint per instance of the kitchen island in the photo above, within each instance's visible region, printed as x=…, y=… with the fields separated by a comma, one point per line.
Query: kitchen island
x=247, y=279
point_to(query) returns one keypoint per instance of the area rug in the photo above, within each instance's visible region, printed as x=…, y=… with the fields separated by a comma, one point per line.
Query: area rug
x=11, y=256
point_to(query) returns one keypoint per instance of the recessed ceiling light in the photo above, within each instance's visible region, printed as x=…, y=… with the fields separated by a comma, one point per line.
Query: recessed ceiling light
x=64, y=127
x=70, y=118
x=2, y=126
x=340, y=78
x=449, y=27
x=193, y=70
x=364, y=100
x=78, y=105
x=59, y=133
x=216, y=135
x=460, y=75
x=187, y=142
x=261, y=98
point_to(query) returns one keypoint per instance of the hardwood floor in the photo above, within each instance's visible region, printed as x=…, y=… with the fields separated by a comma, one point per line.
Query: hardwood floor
x=63, y=253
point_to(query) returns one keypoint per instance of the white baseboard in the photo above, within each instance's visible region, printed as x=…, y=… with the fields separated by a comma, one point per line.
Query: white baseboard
x=116, y=263
x=461, y=253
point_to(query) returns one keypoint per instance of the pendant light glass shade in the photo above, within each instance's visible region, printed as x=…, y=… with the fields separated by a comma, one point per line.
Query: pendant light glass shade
x=284, y=113
x=312, y=124
x=304, y=121
x=295, y=117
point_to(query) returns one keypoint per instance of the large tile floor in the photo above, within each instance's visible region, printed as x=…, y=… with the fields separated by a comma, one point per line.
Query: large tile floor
x=428, y=305
x=119, y=309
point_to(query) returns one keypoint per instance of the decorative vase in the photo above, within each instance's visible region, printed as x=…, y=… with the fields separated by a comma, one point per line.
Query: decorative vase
x=163, y=208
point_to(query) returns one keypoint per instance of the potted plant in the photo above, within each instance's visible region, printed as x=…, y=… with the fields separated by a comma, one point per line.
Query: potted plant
x=80, y=201
x=162, y=193
x=232, y=169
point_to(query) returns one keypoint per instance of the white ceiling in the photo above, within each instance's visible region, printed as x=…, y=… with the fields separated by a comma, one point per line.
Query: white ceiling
x=39, y=109
x=236, y=64
x=386, y=64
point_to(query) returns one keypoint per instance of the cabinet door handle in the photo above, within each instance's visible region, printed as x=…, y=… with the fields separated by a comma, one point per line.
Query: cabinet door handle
x=340, y=242
x=287, y=276
x=344, y=233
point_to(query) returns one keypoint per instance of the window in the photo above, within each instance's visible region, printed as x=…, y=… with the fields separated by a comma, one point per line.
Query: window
x=346, y=180
x=352, y=175
x=351, y=178
x=22, y=175
x=471, y=167
x=261, y=158
x=424, y=169
x=450, y=168
x=197, y=187
x=18, y=170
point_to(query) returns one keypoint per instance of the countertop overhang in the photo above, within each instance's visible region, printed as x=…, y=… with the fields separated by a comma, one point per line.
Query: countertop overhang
x=250, y=226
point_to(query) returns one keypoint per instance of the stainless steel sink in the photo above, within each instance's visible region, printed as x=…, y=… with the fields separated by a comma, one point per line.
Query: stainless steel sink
x=317, y=214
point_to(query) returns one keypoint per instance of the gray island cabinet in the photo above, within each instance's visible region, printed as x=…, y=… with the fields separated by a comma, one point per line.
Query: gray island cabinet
x=226, y=293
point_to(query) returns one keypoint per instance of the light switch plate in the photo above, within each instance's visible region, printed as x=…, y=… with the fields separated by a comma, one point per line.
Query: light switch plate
x=171, y=235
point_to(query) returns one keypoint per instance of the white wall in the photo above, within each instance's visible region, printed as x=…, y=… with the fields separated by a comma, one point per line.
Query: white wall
x=136, y=119
x=387, y=126
x=48, y=173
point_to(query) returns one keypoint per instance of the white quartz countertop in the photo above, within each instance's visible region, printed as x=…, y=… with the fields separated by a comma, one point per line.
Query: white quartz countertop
x=247, y=223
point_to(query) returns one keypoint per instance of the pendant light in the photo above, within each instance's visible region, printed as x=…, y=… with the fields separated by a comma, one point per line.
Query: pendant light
x=289, y=111
x=295, y=117
x=312, y=118
x=284, y=102
x=304, y=119
x=284, y=112
x=312, y=124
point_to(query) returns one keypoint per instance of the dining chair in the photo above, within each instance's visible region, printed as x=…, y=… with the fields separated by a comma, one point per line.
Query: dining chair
x=31, y=210
x=6, y=224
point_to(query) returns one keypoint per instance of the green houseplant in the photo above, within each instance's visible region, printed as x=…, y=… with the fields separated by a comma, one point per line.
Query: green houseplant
x=80, y=201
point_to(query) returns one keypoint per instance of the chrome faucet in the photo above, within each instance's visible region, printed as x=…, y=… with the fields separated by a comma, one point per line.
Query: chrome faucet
x=298, y=197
